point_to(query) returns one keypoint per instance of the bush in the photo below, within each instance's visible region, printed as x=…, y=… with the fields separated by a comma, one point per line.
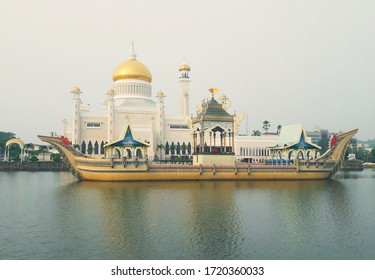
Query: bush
x=16, y=159
x=56, y=158
x=34, y=158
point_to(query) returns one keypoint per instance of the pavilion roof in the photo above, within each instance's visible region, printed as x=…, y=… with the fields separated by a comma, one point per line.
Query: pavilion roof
x=127, y=141
x=294, y=137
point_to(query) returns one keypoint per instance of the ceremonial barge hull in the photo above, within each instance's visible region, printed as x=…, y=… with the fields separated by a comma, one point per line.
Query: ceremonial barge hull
x=86, y=168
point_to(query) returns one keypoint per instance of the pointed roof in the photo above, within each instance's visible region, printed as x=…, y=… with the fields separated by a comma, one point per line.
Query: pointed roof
x=294, y=137
x=127, y=141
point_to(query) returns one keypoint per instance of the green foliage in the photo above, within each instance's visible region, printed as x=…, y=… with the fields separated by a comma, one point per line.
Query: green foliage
x=77, y=147
x=16, y=158
x=279, y=127
x=160, y=148
x=266, y=125
x=4, y=137
x=33, y=158
x=256, y=133
x=372, y=155
x=14, y=151
x=56, y=158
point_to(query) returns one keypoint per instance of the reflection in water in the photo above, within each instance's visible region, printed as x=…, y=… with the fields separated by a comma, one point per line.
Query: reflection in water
x=56, y=217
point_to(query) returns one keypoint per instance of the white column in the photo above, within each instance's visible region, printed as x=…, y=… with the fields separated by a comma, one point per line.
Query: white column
x=152, y=141
x=110, y=115
x=159, y=132
x=184, y=82
x=76, y=125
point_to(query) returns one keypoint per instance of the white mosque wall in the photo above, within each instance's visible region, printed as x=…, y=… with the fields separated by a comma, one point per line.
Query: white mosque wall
x=254, y=148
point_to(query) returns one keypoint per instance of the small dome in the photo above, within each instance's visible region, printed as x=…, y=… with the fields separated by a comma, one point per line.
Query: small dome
x=110, y=91
x=184, y=67
x=160, y=93
x=76, y=90
x=223, y=96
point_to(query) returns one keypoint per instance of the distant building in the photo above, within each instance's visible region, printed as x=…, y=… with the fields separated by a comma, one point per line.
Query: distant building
x=315, y=136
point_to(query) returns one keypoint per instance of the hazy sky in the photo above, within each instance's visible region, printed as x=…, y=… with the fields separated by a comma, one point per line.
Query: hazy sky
x=285, y=61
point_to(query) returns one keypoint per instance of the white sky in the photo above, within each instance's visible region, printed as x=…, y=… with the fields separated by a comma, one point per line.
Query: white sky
x=285, y=61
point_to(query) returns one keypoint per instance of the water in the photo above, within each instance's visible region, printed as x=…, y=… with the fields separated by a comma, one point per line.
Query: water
x=47, y=215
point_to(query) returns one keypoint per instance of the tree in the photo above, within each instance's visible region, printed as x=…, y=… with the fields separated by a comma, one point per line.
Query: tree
x=256, y=133
x=266, y=125
x=90, y=150
x=372, y=155
x=42, y=150
x=56, y=158
x=160, y=148
x=4, y=137
x=28, y=148
x=279, y=129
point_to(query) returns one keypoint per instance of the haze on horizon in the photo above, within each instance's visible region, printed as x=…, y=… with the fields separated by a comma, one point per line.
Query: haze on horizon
x=310, y=62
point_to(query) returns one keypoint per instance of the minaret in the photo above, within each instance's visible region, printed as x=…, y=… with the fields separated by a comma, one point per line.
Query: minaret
x=63, y=126
x=160, y=117
x=76, y=125
x=184, y=82
x=110, y=115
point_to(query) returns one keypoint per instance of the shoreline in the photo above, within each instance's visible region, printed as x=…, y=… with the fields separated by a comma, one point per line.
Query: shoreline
x=33, y=166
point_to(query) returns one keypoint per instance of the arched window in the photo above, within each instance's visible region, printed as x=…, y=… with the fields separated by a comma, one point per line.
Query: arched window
x=117, y=153
x=90, y=148
x=189, y=148
x=96, y=148
x=102, y=148
x=183, y=148
x=173, y=148
x=167, y=148
x=128, y=153
x=83, y=147
x=178, y=148
x=138, y=153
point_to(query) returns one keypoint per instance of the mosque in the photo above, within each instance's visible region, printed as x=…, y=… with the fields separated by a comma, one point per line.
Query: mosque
x=131, y=103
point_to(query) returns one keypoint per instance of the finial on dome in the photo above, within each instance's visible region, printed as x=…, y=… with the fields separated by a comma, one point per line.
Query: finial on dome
x=132, y=54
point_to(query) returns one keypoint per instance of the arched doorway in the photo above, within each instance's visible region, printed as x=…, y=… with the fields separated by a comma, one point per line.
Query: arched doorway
x=9, y=144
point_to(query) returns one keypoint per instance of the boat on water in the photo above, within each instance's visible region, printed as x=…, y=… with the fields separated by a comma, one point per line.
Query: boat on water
x=208, y=163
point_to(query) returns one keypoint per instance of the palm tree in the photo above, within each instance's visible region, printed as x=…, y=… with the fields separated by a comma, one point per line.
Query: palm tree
x=160, y=148
x=43, y=149
x=266, y=125
x=28, y=147
x=279, y=129
x=256, y=133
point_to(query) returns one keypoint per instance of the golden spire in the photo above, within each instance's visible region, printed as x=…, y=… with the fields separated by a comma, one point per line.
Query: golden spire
x=214, y=90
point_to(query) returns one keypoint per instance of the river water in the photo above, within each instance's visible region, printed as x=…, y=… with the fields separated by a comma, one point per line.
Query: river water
x=49, y=215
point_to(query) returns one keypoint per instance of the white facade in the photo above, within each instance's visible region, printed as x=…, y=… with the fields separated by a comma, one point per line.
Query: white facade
x=130, y=102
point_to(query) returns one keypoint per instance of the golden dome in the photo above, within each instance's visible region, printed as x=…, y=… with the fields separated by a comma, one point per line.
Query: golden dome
x=132, y=69
x=184, y=67
x=110, y=91
x=76, y=90
x=160, y=93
